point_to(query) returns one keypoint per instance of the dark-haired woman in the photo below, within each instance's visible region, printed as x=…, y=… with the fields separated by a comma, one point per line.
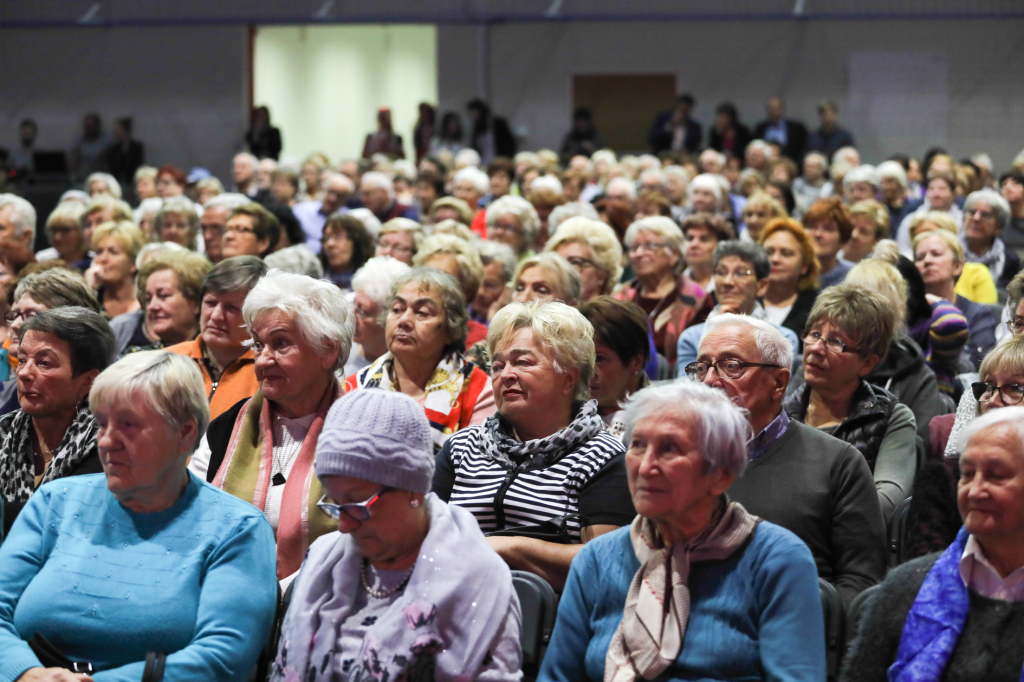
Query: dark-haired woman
x=345, y=245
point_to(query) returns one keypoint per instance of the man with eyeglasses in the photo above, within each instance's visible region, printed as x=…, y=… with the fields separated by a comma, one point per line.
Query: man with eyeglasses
x=740, y=272
x=798, y=477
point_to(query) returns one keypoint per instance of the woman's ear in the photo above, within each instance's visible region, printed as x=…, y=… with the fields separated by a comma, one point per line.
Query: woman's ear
x=329, y=359
x=86, y=386
x=569, y=379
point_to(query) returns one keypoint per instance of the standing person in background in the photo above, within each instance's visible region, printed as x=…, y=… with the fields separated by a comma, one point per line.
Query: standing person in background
x=385, y=140
x=790, y=135
x=829, y=137
x=584, y=139
x=674, y=130
x=263, y=139
x=424, y=135
x=20, y=159
x=88, y=154
x=126, y=155
x=491, y=135
x=728, y=135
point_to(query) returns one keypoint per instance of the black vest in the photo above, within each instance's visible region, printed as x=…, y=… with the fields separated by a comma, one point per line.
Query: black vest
x=865, y=426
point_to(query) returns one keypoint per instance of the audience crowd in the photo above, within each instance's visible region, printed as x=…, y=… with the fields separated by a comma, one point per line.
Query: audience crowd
x=326, y=425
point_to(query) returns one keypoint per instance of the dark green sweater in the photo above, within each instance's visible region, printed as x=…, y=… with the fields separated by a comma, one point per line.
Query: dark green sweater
x=990, y=648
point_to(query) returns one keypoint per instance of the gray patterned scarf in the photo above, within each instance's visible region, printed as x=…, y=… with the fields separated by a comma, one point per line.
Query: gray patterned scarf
x=994, y=259
x=510, y=452
x=17, y=470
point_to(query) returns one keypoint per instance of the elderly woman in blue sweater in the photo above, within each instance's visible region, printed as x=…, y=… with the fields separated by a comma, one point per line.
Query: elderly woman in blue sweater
x=147, y=558
x=696, y=587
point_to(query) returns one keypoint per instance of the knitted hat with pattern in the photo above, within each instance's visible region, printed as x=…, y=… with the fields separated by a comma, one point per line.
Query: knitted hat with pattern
x=380, y=436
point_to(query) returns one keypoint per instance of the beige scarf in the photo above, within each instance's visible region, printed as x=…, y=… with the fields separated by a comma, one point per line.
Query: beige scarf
x=653, y=626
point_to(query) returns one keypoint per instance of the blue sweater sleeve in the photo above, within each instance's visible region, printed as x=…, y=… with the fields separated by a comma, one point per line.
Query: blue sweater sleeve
x=791, y=636
x=21, y=556
x=686, y=348
x=565, y=659
x=230, y=630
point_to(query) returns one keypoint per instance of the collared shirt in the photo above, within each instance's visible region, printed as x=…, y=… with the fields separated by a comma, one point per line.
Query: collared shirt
x=757, y=445
x=776, y=132
x=311, y=216
x=979, y=575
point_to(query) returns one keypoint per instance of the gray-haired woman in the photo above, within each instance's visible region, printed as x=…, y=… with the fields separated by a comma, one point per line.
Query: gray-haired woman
x=425, y=331
x=261, y=449
x=177, y=221
x=53, y=434
x=986, y=215
x=543, y=466
x=408, y=589
x=696, y=587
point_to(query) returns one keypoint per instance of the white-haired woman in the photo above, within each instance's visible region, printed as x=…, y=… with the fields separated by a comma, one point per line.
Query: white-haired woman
x=957, y=615
x=592, y=248
x=543, y=466
x=670, y=298
x=986, y=215
x=148, y=559
x=400, y=238
x=894, y=186
x=705, y=194
x=64, y=229
x=546, y=277
x=499, y=261
x=461, y=260
x=371, y=285
x=514, y=221
x=425, y=330
x=261, y=449
x=178, y=222
x=377, y=192
x=471, y=184
x=103, y=183
x=696, y=587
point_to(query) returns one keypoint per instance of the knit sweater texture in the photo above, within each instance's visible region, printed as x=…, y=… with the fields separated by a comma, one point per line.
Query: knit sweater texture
x=196, y=581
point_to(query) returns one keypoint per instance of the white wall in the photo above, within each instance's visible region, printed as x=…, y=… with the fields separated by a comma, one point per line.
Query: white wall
x=185, y=87
x=530, y=69
x=324, y=84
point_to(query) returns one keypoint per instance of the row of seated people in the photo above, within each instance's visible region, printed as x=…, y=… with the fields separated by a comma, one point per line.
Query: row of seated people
x=546, y=360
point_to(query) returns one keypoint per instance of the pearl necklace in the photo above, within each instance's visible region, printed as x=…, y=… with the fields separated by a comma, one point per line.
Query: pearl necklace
x=381, y=594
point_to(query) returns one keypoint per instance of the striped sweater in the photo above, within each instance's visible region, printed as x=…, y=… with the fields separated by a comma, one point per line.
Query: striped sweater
x=584, y=481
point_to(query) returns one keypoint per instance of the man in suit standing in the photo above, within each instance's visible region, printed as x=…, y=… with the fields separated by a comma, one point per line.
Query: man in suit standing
x=674, y=130
x=790, y=135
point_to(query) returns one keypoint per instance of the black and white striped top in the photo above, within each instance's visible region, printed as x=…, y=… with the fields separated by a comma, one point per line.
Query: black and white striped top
x=471, y=479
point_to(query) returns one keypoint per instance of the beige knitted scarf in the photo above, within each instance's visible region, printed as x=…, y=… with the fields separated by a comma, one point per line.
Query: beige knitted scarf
x=653, y=626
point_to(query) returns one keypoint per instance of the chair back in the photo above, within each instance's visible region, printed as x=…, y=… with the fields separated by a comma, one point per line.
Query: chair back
x=539, y=605
x=898, y=533
x=857, y=609
x=832, y=610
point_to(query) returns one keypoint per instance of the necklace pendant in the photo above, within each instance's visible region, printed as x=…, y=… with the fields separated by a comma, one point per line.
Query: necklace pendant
x=278, y=479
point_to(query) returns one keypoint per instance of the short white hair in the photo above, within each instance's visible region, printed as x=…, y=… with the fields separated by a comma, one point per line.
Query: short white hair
x=474, y=175
x=377, y=180
x=369, y=221
x=253, y=161
x=708, y=181
x=982, y=160
x=662, y=226
x=1013, y=417
x=627, y=185
x=404, y=225
x=996, y=202
x=602, y=241
x=649, y=160
x=113, y=186
x=297, y=259
x=769, y=151
x=557, y=327
x=170, y=383
x=720, y=428
x=657, y=175
x=151, y=206
x=547, y=182
x=496, y=252
x=862, y=173
x=23, y=215
x=677, y=172
x=467, y=158
x=568, y=279
x=228, y=200
x=377, y=276
x=848, y=154
x=714, y=154
x=820, y=159
x=520, y=209
x=317, y=307
x=772, y=346
x=893, y=169
x=606, y=155
x=571, y=210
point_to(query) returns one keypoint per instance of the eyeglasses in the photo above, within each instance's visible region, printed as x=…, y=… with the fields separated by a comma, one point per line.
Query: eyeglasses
x=723, y=274
x=393, y=248
x=357, y=511
x=336, y=237
x=980, y=213
x=833, y=344
x=512, y=228
x=1016, y=325
x=239, y=230
x=1011, y=394
x=728, y=368
x=647, y=246
x=13, y=315
x=580, y=263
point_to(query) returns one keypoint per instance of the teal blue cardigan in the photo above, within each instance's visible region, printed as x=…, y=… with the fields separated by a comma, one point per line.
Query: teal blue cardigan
x=754, y=616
